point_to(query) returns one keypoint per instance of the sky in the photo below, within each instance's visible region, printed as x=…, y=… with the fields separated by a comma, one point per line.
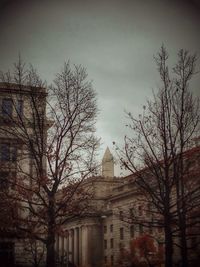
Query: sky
x=114, y=39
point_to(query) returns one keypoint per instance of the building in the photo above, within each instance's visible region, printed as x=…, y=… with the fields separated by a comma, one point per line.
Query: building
x=98, y=239
x=99, y=236
x=16, y=164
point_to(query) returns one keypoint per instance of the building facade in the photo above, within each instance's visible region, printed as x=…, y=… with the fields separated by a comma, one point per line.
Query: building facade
x=94, y=239
x=16, y=165
x=101, y=238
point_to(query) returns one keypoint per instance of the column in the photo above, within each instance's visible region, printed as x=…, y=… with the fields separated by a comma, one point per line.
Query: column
x=70, y=246
x=65, y=244
x=68, y=234
x=84, y=245
x=76, y=246
x=57, y=245
x=80, y=246
x=60, y=246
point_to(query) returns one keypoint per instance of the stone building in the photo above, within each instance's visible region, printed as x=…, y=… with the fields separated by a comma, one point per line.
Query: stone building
x=93, y=240
x=98, y=239
x=16, y=162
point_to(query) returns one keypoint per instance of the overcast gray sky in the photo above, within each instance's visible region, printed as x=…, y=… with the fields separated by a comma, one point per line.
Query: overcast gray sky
x=114, y=39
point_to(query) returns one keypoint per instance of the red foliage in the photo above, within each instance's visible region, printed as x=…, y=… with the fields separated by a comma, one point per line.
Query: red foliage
x=143, y=246
x=145, y=252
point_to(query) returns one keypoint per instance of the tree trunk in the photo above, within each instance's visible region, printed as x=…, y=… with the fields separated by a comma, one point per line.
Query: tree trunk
x=50, y=257
x=183, y=240
x=184, y=251
x=182, y=216
x=168, y=243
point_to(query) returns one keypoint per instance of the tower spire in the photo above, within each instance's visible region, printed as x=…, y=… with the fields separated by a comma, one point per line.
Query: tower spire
x=108, y=164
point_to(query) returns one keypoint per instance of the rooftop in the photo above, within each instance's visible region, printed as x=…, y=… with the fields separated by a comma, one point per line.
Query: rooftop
x=19, y=88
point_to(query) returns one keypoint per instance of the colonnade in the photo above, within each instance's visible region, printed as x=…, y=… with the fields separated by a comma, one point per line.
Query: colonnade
x=73, y=245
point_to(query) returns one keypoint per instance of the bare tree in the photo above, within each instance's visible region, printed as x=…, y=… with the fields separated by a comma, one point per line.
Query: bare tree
x=53, y=131
x=155, y=152
x=36, y=250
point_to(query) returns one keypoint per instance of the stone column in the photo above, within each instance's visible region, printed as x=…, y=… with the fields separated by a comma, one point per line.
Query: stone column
x=60, y=246
x=63, y=238
x=84, y=246
x=80, y=246
x=76, y=246
x=57, y=244
x=70, y=246
x=65, y=245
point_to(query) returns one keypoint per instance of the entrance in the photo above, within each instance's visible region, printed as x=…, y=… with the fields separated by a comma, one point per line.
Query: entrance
x=7, y=254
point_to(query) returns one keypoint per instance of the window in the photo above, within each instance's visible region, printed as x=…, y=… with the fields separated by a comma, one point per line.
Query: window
x=140, y=229
x=121, y=245
x=132, y=231
x=19, y=108
x=150, y=229
x=7, y=108
x=121, y=231
x=105, y=229
x=4, y=180
x=121, y=215
x=5, y=152
x=7, y=253
x=140, y=210
x=13, y=153
x=8, y=152
x=194, y=241
x=7, y=179
x=149, y=209
x=111, y=228
x=105, y=244
x=111, y=243
x=132, y=212
x=111, y=260
x=12, y=179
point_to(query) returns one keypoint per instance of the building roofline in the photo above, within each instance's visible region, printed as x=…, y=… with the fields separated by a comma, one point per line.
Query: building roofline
x=186, y=154
x=18, y=88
